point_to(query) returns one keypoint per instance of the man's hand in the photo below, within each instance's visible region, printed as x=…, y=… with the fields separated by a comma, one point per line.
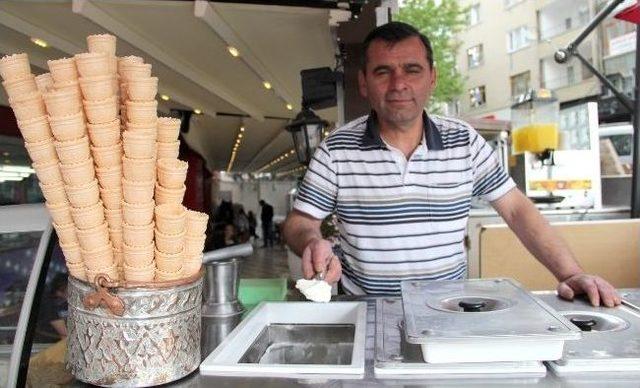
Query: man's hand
x=318, y=257
x=597, y=289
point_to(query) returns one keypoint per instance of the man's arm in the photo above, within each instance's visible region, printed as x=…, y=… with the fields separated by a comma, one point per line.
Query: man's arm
x=302, y=234
x=300, y=229
x=543, y=242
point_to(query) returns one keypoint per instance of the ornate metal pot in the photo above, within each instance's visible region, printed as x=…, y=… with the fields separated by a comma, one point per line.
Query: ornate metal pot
x=134, y=334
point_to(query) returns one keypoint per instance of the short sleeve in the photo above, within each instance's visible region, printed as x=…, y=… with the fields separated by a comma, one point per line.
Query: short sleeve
x=318, y=192
x=490, y=180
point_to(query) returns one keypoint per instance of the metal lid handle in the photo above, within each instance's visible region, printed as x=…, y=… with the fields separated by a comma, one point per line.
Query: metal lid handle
x=471, y=307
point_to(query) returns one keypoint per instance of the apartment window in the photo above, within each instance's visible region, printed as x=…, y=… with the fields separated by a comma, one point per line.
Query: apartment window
x=583, y=15
x=567, y=23
x=517, y=38
x=520, y=83
x=474, y=15
x=511, y=3
x=477, y=96
x=475, y=56
x=571, y=75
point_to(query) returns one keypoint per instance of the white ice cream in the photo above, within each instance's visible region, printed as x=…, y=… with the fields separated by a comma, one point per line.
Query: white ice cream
x=314, y=290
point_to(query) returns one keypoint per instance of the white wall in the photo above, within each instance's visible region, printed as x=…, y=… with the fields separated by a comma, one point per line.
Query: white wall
x=248, y=193
x=276, y=194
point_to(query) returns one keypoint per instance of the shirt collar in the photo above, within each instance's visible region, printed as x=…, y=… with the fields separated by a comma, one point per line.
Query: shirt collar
x=371, y=135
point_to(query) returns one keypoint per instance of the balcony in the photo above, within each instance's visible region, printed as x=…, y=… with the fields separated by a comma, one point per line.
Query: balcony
x=561, y=16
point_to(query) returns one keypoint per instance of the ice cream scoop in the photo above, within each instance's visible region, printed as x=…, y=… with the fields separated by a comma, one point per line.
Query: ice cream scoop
x=315, y=290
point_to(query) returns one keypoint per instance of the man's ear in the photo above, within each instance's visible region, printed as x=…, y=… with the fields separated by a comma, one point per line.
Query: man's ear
x=434, y=77
x=362, y=84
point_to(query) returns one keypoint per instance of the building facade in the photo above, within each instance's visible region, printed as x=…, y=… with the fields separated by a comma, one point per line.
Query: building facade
x=508, y=48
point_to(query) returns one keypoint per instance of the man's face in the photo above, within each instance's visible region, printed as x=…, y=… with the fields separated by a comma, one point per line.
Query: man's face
x=397, y=80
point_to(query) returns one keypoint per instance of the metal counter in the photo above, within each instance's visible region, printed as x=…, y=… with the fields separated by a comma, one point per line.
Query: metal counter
x=213, y=328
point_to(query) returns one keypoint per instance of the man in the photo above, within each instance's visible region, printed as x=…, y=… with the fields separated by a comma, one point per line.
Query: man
x=401, y=182
x=266, y=216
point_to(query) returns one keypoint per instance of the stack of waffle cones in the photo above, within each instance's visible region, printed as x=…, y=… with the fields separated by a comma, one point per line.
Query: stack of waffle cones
x=107, y=165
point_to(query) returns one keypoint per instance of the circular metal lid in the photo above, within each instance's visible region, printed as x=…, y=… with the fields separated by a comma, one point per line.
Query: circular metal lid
x=471, y=304
x=591, y=321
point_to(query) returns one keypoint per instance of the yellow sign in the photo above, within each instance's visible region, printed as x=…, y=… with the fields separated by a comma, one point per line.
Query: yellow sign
x=552, y=185
x=544, y=93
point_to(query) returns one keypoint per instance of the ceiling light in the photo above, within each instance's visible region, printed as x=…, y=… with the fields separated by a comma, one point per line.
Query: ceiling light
x=233, y=51
x=164, y=97
x=12, y=178
x=266, y=84
x=16, y=168
x=39, y=42
x=197, y=111
x=6, y=153
x=289, y=107
x=241, y=129
x=240, y=136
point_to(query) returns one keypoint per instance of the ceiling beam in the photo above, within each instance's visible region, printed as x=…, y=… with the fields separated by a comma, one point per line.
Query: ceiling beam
x=91, y=11
x=31, y=30
x=36, y=59
x=286, y=166
x=208, y=13
x=266, y=148
x=15, y=23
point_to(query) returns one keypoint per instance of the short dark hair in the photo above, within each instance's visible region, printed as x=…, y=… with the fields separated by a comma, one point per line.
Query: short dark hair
x=394, y=32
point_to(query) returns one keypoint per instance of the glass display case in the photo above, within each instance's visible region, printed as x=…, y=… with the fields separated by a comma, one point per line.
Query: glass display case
x=31, y=271
x=18, y=182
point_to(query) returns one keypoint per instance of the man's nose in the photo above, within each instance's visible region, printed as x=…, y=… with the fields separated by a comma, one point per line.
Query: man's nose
x=398, y=81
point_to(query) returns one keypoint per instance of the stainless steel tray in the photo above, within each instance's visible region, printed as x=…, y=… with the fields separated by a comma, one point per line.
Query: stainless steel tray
x=395, y=358
x=294, y=340
x=501, y=322
x=611, y=344
x=631, y=297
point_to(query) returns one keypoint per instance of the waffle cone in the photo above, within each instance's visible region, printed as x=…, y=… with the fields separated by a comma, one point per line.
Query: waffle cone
x=78, y=173
x=48, y=172
x=87, y=218
x=108, y=156
x=169, y=243
x=35, y=130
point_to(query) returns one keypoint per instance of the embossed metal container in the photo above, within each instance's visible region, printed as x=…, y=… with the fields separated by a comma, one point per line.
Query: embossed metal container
x=134, y=336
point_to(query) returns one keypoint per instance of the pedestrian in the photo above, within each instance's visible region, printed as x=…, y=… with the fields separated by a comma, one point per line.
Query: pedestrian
x=252, y=224
x=266, y=217
x=241, y=223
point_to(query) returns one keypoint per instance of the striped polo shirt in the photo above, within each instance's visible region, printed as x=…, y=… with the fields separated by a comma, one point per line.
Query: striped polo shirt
x=401, y=219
